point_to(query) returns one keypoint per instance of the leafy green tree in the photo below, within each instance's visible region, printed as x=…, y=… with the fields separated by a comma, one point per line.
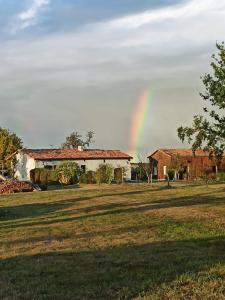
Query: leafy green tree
x=75, y=139
x=208, y=131
x=9, y=143
x=68, y=172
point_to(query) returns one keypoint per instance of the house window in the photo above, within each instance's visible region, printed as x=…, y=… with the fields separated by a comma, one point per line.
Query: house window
x=83, y=168
x=164, y=170
x=48, y=167
x=155, y=171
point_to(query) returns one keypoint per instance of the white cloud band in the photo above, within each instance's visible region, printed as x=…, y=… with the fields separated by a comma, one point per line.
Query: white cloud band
x=29, y=16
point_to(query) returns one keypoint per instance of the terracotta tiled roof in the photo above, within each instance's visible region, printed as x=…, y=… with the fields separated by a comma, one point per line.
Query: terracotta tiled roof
x=183, y=152
x=57, y=154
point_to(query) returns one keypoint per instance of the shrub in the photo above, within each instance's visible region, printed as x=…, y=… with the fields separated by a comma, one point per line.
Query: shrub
x=32, y=175
x=104, y=174
x=208, y=175
x=68, y=172
x=171, y=174
x=43, y=176
x=52, y=177
x=88, y=177
x=220, y=177
x=35, y=175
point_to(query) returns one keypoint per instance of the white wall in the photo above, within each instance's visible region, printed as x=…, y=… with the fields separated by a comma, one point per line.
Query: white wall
x=26, y=164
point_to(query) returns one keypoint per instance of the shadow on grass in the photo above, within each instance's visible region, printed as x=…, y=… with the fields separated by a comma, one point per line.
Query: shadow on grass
x=117, y=273
x=27, y=211
x=46, y=209
x=115, y=233
x=37, y=209
x=32, y=210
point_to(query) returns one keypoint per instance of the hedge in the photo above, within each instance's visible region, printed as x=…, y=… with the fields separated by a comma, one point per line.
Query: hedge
x=88, y=177
x=43, y=176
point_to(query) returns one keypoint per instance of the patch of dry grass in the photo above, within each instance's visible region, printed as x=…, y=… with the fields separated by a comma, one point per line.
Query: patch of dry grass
x=114, y=242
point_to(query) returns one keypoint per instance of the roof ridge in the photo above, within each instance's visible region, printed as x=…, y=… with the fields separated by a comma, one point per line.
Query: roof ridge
x=51, y=149
x=45, y=154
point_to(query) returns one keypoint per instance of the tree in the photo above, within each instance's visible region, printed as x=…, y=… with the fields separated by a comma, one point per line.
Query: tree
x=208, y=131
x=145, y=167
x=174, y=166
x=208, y=176
x=9, y=144
x=68, y=172
x=75, y=139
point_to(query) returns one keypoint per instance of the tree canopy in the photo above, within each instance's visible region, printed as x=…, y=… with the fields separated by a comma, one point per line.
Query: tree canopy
x=208, y=130
x=9, y=143
x=75, y=139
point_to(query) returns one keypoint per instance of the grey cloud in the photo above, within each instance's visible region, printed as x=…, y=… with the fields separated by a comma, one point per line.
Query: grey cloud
x=92, y=78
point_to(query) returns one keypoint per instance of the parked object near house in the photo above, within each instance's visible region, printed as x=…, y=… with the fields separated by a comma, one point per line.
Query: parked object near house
x=185, y=163
x=15, y=186
x=87, y=159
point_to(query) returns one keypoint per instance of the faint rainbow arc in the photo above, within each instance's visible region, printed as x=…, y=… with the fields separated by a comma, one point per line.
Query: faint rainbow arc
x=138, y=122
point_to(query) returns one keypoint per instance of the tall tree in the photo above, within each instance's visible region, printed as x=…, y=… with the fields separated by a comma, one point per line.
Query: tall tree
x=9, y=143
x=144, y=166
x=208, y=130
x=75, y=139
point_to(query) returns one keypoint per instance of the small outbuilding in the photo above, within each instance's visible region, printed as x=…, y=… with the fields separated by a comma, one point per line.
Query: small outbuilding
x=187, y=163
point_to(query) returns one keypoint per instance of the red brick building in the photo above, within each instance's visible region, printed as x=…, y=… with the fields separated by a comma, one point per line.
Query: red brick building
x=189, y=164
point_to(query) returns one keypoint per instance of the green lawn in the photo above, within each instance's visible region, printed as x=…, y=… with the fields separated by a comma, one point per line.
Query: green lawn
x=114, y=242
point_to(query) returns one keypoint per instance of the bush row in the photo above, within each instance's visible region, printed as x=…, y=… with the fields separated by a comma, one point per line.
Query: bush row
x=70, y=173
x=207, y=175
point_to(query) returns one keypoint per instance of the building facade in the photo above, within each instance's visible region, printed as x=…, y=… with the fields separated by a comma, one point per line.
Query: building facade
x=88, y=160
x=188, y=164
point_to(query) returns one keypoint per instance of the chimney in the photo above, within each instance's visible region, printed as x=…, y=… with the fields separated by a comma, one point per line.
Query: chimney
x=80, y=148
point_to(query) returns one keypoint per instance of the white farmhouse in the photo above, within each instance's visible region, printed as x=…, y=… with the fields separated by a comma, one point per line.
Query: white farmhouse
x=88, y=160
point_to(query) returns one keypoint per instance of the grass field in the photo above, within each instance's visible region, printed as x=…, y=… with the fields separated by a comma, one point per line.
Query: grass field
x=114, y=242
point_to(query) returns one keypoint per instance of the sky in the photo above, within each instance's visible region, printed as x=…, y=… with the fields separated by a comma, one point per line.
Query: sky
x=79, y=65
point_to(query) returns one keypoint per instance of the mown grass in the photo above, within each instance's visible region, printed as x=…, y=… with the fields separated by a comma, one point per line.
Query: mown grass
x=114, y=242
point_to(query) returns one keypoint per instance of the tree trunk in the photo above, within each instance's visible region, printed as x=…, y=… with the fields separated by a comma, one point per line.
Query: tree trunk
x=168, y=181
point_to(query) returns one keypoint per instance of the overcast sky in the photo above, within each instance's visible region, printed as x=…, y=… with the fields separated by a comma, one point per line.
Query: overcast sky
x=82, y=65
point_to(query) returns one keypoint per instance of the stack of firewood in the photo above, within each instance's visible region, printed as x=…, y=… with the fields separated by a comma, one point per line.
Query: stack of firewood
x=14, y=186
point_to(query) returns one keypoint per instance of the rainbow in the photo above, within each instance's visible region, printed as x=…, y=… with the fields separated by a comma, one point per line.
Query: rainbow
x=138, y=123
